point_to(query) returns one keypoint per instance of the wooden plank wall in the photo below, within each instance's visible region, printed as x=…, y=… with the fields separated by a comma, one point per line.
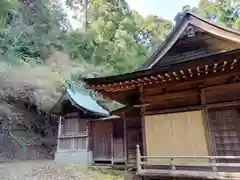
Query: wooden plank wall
x=106, y=140
x=226, y=130
x=73, y=134
x=224, y=118
x=133, y=133
x=102, y=140
x=73, y=124
x=176, y=134
x=118, y=141
x=73, y=143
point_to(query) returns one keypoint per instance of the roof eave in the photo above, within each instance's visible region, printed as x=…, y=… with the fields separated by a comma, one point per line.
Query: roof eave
x=127, y=76
x=87, y=110
x=189, y=18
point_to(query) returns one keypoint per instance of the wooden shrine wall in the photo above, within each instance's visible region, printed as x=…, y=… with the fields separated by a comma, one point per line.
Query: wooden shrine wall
x=102, y=140
x=118, y=141
x=73, y=124
x=222, y=93
x=225, y=127
x=224, y=120
x=73, y=135
x=176, y=134
x=107, y=140
x=133, y=133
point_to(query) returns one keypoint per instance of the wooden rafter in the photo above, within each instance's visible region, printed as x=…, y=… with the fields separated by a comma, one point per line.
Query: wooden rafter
x=171, y=76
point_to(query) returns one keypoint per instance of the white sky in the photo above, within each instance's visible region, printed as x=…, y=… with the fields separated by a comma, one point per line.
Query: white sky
x=163, y=8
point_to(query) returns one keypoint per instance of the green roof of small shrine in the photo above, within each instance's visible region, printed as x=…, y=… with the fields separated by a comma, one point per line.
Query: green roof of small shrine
x=83, y=100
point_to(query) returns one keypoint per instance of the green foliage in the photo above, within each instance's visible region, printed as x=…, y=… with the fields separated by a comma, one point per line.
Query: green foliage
x=6, y=7
x=114, y=35
x=225, y=13
x=32, y=29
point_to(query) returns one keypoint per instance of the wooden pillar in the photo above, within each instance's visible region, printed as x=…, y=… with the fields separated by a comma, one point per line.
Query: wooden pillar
x=143, y=131
x=59, y=131
x=87, y=133
x=125, y=139
x=142, y=113
x=112, y=145
x=209, y=135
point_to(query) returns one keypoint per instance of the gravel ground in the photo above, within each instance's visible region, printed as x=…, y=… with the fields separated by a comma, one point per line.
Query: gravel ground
x=48, y=170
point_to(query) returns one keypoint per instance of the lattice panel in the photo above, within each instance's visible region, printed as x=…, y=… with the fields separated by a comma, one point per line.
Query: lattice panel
x=65, y=144
x=225, y=129
x=80, y=143
x=73, y=144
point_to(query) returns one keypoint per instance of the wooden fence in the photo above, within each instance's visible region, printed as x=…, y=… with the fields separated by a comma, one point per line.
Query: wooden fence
x=215, y=170
x=72, y=143
x=75, y=138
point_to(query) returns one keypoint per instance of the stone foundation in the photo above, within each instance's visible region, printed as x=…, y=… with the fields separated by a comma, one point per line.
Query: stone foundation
x=82, y=157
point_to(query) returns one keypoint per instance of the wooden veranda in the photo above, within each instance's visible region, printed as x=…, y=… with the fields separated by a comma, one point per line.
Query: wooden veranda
x=208, y=170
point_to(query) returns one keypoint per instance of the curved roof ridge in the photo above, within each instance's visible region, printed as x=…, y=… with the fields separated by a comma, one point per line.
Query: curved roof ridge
x=176, y=32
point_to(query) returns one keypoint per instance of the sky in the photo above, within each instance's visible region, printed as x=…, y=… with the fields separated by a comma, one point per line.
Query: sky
x=163, y=8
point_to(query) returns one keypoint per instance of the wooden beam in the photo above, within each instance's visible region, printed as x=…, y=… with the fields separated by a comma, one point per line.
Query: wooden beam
x=192, y=108
x=59, y=132
x=120, y=110
x=188, y=174
x=173, y=95
x=112, y=145
x=208, y=132
x=87, y=132
x=143, y=122
x=220, y=32
x=223, y=87
x=225, y=104
x=199, y=78
x=173, y=110
x=125, y=140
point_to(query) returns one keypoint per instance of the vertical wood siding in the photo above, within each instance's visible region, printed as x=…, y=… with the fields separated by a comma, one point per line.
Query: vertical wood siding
x=102, y=140
x=73, y=136
x=73, y=143
x=176, y=134
x=134, y=137
x=73, y=126
x=118, y=150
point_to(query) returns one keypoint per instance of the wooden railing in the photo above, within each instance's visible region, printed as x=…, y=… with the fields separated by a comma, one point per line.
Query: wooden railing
x=174, y=166
x=71, y=141
x=73, y=135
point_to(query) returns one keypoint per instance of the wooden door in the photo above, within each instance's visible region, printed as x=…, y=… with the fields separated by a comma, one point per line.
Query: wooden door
x=102, y=141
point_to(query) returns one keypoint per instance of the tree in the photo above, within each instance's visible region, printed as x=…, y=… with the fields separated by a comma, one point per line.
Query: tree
x=157, y=29
x=118, y=36
x=225, y=13
x=6, y=8
x=185, y=8
x=34, y=28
